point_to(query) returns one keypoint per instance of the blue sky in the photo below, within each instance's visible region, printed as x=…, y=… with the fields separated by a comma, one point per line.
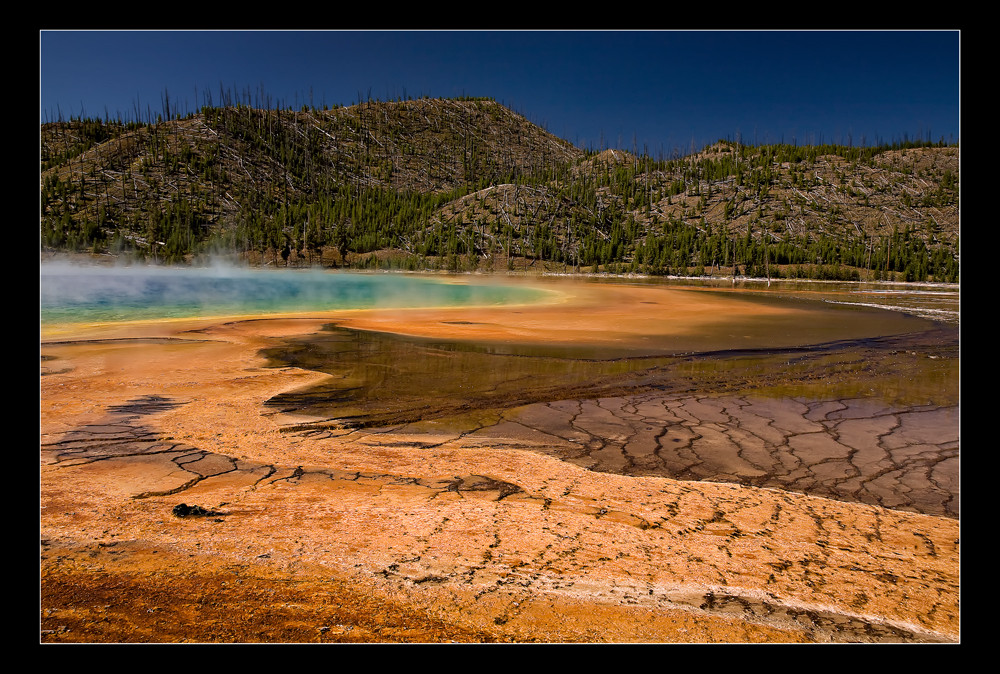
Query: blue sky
x=660, y=90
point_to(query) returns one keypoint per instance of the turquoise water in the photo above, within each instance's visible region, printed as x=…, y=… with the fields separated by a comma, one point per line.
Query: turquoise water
x=69, y=294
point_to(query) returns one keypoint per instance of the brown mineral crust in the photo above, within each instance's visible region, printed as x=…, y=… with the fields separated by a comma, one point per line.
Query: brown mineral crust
x=419, y=534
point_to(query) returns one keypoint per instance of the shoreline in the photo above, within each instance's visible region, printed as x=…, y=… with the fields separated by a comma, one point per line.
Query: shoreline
x=110, y=261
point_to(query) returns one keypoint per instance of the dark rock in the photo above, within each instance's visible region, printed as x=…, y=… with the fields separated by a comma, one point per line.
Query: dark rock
x=185, y=510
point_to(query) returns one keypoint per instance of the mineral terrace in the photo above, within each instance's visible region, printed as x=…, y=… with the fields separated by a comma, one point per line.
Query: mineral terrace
x=196, y=486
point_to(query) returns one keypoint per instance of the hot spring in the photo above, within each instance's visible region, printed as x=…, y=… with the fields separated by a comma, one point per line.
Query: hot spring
x=77, y=294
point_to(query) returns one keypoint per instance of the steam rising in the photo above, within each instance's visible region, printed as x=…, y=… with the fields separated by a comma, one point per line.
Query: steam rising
x=71, y=293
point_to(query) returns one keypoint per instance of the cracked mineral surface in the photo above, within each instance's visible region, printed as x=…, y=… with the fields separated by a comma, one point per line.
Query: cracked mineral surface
x=633, y=464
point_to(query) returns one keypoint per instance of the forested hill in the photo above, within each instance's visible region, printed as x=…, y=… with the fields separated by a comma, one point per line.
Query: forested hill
x=464, y=184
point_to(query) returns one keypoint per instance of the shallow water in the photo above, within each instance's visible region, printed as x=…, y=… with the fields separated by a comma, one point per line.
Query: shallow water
x=381, y=378
x=819, y=350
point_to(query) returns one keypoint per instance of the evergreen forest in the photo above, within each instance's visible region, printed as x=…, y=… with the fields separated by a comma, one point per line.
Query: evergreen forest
x=468, y=184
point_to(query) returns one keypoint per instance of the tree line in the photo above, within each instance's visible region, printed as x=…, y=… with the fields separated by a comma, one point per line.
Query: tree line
x=293, y=186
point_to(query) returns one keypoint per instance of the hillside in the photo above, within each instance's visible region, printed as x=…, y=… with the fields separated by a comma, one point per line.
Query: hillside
x=466, y=184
